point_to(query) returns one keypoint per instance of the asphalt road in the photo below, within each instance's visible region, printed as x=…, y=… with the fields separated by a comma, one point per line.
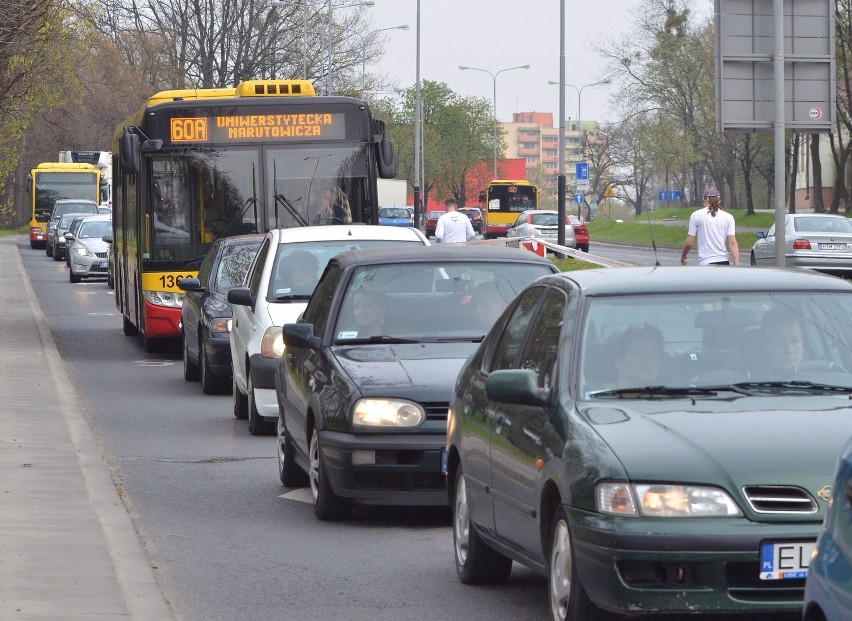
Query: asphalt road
x=226, y=539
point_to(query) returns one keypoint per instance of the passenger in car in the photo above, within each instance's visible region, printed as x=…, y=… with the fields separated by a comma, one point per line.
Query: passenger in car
x=369, y=313
x=782, y=345
x=638, y=356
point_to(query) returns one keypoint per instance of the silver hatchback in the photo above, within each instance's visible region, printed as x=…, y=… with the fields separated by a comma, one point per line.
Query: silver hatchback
x=541, y=224
x=87, y=250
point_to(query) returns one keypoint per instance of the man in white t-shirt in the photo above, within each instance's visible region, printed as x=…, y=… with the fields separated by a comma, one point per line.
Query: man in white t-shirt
x=715, y=229
x=453, y=227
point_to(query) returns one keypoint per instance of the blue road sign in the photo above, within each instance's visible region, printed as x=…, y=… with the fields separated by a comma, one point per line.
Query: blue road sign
x=674, y=195
x=661, y=195
x=582, y=170
x=578, y=198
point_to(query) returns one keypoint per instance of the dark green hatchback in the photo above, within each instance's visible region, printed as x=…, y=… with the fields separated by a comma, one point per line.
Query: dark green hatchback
x=654, y=440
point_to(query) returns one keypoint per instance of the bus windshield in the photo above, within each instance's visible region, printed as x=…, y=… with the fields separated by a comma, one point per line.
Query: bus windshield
x=210, y=193
x=511, y=198
x=51, y=186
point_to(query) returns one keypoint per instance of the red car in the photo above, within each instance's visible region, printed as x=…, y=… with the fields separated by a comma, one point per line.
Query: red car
x=475, y=216
x=432, y=222
x=580, y=232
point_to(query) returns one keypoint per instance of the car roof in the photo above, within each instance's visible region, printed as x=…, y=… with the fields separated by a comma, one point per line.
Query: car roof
x=445, y=252
x=335, y=232
x=98, y=218
x=699, y=279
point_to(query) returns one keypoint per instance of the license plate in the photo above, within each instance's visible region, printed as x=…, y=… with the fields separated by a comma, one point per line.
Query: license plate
x=443, y=461
x=103, y=264
x=549, y=231
x=785, y=560
x=832, y=246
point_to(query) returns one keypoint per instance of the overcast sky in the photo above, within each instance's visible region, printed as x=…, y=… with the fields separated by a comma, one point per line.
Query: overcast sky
x=495, y=34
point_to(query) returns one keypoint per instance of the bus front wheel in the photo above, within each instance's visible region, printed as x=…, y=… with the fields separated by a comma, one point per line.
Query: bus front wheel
x=129, y=328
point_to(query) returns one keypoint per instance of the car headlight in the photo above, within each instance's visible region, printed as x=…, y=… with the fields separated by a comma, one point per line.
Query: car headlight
x=272, y=343
x=82, y=251
x=164, y=298
x=387, y=413
x=220, y=325
x=662, y=500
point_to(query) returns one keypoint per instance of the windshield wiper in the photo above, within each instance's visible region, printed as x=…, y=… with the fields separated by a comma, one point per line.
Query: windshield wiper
x=451, y=339
x=797, y=385
x=376, y=339
x=292, y=296
x=657, y=391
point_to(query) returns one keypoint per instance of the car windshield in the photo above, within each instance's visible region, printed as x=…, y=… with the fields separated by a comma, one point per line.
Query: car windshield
x=298, y=266
x=66, y=220
x=545, y=219
x=235, y=261
x=94, y=230
x=756, y=342
x=425, y=301
x=396, y=212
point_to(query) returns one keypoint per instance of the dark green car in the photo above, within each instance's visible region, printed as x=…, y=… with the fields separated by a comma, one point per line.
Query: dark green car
x=654, y=440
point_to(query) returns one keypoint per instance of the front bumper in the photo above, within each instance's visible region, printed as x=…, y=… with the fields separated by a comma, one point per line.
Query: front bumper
x=637, y=566
x=84, y=266
x=217, y=349
x=407, y=468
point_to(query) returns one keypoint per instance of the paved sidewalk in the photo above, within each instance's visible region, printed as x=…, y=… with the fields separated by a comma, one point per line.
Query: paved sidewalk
x=68, y=549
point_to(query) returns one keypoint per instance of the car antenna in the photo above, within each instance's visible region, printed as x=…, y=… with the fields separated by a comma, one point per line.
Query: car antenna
x=653, y=243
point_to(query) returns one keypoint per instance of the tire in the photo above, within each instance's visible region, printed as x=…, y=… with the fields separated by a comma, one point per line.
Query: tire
x=567, y=597
x=128, y=328
x=328, y=506
x=476, y=562
x=33, y=245
x=72, y=278
x=240, y=401
x=583, y=247
x=57, y=257
x=288, y=472
x=110, y=282
x=210, y=384
x=190, y=368
x=48, y=249
x=752, y=260
x=256, y=425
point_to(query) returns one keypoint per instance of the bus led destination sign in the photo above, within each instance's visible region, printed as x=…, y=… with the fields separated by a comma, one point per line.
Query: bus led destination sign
x=258, y=127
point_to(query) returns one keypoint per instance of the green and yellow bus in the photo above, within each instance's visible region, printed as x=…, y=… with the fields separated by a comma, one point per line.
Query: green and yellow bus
x=51, y=181
x=501, y=202
x=194, y=165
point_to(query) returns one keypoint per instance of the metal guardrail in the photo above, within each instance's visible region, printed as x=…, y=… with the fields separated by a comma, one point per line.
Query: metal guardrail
x=572, y=253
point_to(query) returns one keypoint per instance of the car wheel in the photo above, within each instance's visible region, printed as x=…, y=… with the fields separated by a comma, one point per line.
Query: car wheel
x=752, y=260
x=240, y=401
x=328, y=506
x=476, y=562
x=110, y=282
x=289, y=473
x=190, y=368
x=210, y=384
x=128, y=328
x=73, y=278
x=33, y=245
x=583, y=247
x=48, y=249
x=568, y=599
x=57, y=256
x=256, y=425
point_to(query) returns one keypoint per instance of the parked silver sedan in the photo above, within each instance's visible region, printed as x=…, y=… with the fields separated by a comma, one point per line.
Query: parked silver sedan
x=817, y=241
x=541, y=224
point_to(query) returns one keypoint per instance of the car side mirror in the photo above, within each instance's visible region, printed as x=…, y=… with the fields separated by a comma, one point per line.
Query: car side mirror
x=107, y=238
x=190, y=284
x=760, y=234
x=517, y=386
x=241, y=296
x=300, y=335
x=69, y=236
x=42, y=216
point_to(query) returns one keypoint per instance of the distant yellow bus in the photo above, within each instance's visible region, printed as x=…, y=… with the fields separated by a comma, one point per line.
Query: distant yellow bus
x=501, y=202
x=51, y=181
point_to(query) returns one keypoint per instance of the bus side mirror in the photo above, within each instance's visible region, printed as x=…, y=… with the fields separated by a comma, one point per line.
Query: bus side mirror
x=42, y=216
x=128, y=152
x=386, y=158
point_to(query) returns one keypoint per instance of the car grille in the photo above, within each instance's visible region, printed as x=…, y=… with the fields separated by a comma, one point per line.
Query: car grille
x=101, y=255
x=779, y=499
x=436, y=411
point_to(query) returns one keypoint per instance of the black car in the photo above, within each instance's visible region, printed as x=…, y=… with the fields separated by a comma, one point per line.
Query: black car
x=654, y=440
x=364, y=385
x=206, y=312
x=474, y=214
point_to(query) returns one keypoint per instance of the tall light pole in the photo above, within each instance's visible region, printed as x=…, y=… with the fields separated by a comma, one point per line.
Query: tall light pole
x=364, y=49
x=331, y=5
x=494, y=100
x=416, y=184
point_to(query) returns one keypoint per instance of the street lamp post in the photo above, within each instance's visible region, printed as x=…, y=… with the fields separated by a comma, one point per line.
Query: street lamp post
x=494, y=99
x=416, y=185
x=364, y=50
x=328, y=85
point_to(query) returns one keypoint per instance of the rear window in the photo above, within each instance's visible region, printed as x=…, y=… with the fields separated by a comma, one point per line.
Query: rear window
x=393, y=212
x=63, y=208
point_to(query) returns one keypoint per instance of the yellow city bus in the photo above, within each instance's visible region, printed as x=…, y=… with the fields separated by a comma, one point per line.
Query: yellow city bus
x=194, y=165
x=501, y=202
x=51, y=181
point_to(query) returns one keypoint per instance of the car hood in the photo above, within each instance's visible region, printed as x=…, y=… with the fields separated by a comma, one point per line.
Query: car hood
x=285, y=312
x=94, y=244
x=747, y=441
x=419, y=371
